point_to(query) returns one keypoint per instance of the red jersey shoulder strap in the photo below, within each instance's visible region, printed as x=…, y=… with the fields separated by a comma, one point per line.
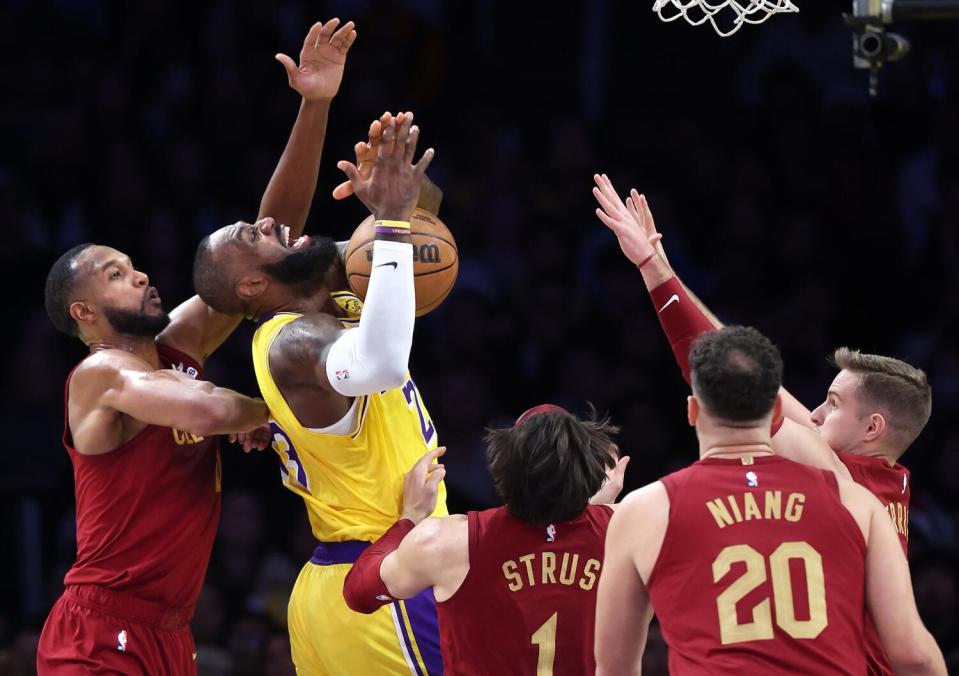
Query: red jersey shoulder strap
x=172, y=357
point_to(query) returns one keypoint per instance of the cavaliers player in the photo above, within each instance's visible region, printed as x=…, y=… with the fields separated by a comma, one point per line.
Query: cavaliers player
x=874, y=409
x=347, y=417
x=753, y=563
x=141, y=426
x=515, y=586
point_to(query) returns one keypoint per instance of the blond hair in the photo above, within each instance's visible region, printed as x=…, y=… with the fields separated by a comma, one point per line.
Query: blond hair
x=900, y=391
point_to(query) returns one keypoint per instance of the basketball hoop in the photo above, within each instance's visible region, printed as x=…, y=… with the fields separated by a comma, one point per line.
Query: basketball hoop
x=697, y=12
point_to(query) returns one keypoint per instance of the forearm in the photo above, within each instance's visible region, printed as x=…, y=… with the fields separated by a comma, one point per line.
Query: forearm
x=364, y=589
x=231, y=411
x=375, y=356
x=430, y=196
x=289, y=193
x=681, y=319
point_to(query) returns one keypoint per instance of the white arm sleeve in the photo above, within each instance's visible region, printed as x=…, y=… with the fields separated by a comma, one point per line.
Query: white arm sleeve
x=375, y=356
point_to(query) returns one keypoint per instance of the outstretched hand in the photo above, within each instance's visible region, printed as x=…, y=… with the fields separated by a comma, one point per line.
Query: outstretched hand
x=365, y=157
x=393, y=186
x=613, y=486
x=421, y=486
x=627, y=225
x=322, y=60
x=638, y=207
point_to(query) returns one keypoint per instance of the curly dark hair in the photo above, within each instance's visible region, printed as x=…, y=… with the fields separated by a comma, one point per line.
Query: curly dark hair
x=547, y=466
x=736, y=373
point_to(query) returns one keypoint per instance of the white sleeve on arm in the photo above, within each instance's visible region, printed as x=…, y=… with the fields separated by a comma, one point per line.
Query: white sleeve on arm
x=375, y=356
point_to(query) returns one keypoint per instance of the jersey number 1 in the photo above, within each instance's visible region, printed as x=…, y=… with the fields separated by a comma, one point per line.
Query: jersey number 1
x=761, y=626
x=545, y=639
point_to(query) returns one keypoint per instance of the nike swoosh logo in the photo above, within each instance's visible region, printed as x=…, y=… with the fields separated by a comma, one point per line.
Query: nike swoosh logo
x=672, y=299
x=393, y=263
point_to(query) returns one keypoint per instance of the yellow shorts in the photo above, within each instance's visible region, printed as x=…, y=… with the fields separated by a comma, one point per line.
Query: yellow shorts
x=327, y=638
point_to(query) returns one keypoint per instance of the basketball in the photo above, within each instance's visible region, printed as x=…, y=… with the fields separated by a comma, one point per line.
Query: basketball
x=435, y=259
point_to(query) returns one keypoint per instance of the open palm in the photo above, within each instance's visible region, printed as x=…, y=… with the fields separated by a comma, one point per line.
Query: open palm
x=322, y=60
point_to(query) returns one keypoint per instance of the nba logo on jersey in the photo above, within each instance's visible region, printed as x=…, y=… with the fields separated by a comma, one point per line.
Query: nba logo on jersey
x=751, y=479
x=122, y=641
x=551, y=533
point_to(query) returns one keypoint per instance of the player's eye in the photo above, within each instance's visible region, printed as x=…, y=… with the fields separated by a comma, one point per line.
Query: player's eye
x=115, y=274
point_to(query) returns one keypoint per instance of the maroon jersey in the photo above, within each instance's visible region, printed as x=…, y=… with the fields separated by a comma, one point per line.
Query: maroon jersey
x=528, y=603
x=762, y=570
x=889, y=483
x=147, y=511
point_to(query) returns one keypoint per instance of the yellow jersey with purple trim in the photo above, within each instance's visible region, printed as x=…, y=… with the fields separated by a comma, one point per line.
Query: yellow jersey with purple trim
x=351, y=483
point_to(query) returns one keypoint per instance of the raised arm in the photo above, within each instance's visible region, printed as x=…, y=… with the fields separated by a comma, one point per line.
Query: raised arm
x=166, y=398
x=198, y=330
x=375, y=356
x=690, y=316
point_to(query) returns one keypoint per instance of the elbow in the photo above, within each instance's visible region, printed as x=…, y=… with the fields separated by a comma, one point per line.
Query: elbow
x=394, y=375
x=912, y=657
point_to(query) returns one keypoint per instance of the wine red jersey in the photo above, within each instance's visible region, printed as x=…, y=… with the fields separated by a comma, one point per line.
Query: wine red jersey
x=889, y=483
x=762, y=570
x=528, y=603
x=147, y=511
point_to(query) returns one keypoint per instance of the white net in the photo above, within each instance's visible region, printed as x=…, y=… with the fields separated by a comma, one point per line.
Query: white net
x=726, y=16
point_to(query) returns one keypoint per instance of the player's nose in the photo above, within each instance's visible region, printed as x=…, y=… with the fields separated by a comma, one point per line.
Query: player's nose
x=141, y=278
x=265, y=225
x=816, y=417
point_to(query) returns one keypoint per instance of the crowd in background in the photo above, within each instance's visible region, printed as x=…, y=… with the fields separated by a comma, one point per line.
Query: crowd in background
x=788, y=199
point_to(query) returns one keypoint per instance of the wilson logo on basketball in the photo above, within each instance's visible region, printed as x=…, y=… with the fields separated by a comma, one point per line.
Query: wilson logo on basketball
x=425, y=253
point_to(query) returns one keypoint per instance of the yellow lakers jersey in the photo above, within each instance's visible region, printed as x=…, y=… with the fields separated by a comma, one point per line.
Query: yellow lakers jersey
x=352, y=483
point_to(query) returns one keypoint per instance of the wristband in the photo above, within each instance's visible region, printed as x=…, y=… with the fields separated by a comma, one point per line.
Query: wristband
x=387, y=227
x=364, y=590
x=646, y=260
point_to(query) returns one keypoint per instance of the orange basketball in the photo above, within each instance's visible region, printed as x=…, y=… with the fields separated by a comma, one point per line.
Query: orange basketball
x=435, y=259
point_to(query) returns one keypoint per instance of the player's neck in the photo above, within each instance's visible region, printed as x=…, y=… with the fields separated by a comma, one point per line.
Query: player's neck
x=891, y=458
x=300, y=299
x=142, y=346
x=734, y=451
x=721, y=441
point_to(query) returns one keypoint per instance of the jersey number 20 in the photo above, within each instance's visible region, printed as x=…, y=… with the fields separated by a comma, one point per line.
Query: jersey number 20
x=761, y=626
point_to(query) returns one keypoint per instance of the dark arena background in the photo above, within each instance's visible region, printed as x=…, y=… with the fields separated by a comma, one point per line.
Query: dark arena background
x=789, y=198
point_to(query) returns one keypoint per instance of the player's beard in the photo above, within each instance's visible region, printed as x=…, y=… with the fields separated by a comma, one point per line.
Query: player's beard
x=136, y=323
x=309, y=265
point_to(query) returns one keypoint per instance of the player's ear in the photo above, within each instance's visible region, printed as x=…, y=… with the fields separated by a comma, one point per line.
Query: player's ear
x=251, y=286
x=778, y=407
x=876, y=428
x=81, y=312
x=692, y=410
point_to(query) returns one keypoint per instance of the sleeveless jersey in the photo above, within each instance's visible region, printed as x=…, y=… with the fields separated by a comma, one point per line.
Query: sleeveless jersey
x=147, y=511
x=528, y=603
x=889, y=483
x=762, y=570
x=352, y=484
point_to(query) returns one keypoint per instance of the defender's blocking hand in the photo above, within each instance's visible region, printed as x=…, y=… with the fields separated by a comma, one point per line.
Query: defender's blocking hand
x=322, y=60
x=421, y=486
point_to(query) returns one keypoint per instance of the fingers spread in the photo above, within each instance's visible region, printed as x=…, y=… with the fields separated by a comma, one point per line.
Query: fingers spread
x=343, y=38
x=324, y=34
x=343, y=190
x=410, y=148
x=424, y=162
x=313, y=36
x=350, y=170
